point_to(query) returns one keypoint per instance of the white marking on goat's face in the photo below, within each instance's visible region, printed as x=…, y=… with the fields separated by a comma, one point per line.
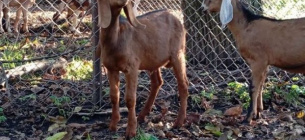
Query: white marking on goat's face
x=211, y=5
x=204, y=6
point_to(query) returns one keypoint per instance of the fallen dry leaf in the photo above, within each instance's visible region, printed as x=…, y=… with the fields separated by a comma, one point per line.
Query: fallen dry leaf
x=286, y=117
x=234, y=111
x=170, y=134
x=192, y=118
x=164, y=107
x=300, y=114
x=237, y=132
x=47, y=76
x=205, y=104
x=160, y=133
x=77, y=125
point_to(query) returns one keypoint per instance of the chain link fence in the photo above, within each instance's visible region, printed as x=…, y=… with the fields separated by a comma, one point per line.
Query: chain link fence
x=49, y=70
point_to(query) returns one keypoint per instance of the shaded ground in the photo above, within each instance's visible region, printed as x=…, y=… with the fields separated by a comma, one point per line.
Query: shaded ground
x=49, y=112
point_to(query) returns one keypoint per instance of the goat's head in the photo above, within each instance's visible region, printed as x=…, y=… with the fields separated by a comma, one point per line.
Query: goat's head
x=223, y=6
x=106, y=9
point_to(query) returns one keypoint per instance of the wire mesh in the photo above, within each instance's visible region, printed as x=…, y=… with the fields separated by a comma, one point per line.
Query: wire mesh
x=50, y=68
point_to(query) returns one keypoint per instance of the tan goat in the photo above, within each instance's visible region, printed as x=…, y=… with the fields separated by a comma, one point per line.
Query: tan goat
x=75, y=8
x=145, y=43
x=22, y=6
x=262, y=41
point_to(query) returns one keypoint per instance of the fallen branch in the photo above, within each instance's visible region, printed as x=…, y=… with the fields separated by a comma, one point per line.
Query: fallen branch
x=35, y=66
x=104, y=112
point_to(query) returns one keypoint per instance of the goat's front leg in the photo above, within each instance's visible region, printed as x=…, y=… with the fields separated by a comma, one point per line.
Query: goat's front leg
x=1, y=16
x=156, y=83
x=113, y=77
x=25, y=28
x=180, y=73
x=60, y=9
x=6, y=10
x=16, y=24
x=130, y=98
x=73, y=20
x=259, y=71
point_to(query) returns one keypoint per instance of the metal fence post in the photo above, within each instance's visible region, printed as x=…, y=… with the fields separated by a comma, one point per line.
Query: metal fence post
x=96, y=55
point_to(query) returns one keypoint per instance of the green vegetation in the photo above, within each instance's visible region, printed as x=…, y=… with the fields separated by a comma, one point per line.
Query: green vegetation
x=141, y=135
x=2, y=116
x=79, y=69
x=213, y=129
x=13, y=51
x=28, y=97
x=207, y=94
x=59, y=101
x=82, y=42
x=289, y=92
x=240, y=89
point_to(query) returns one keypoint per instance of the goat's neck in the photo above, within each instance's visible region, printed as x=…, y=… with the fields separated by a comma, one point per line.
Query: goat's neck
x=239, y=22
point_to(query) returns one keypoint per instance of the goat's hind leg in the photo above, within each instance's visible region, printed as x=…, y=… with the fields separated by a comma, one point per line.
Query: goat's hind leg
x=180, y=72
x=260, y=106
x=114, y=82
x=25, y=28
x=255, y=90
x=1, y=16
x=16, y=23
x=156, y=83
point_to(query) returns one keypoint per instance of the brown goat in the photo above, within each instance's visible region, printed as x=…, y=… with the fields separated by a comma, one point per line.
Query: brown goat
x=75, y=8
x=145, y=43
x=263, y=41
x=22, y=6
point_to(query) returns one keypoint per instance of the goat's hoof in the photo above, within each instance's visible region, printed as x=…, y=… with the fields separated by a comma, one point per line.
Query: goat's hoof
x=130, y=135
x=112, y=128
x=24, y=31
x=141, y=119
x=178, y=124
x=246, y=122
x=258, y=116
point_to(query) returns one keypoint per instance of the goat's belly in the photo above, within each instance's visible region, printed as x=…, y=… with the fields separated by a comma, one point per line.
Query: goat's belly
x=297, y=68
x=16, y=3
x=151, y=66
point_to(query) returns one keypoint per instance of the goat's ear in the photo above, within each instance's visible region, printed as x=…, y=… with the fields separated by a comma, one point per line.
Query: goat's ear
x=131, y=16
x=104, y=13
x=226, y=12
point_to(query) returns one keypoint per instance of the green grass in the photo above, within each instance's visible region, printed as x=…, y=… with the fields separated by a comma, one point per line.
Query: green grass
x=290, y=93
x=2, y=116
x=141, y=135
x=14, y=51
x=79, y=69
x=241, y=90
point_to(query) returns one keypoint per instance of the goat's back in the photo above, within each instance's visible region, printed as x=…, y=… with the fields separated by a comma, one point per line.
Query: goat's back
x=157, y=45
x=163, y=37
